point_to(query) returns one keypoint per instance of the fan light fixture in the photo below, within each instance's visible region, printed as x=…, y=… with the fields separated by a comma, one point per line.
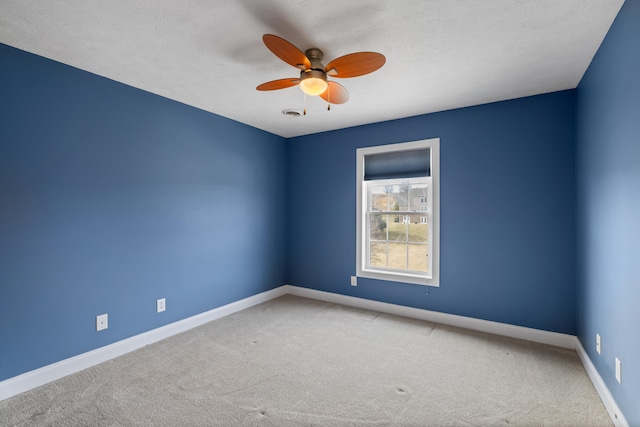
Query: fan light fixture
x=313, y=73
x=313, y=82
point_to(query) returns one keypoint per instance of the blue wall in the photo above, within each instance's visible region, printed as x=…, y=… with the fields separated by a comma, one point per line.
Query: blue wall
x=608, y=132
x=111, y=197
x=507, y=211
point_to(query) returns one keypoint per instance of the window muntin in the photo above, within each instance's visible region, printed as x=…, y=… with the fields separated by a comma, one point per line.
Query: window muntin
x=393, y=208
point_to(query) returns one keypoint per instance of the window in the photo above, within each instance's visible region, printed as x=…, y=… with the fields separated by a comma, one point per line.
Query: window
x=398, y=232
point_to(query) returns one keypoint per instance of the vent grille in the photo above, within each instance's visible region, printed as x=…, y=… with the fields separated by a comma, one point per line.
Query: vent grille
x=291, y=113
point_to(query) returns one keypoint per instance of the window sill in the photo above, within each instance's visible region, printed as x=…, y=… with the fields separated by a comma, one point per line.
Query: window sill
x=398, y=277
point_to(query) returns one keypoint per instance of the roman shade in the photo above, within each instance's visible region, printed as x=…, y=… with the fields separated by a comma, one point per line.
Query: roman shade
x=397, y=164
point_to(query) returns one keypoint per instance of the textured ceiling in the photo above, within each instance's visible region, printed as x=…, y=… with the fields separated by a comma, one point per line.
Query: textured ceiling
x=441, y=54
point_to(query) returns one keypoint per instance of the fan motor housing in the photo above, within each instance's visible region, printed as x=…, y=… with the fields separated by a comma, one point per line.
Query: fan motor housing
x=313, y=74
x=314, y=53
x=315, y=56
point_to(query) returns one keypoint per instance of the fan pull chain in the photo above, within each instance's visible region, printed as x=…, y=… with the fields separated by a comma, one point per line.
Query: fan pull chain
x=329, y=98
x=304, y=103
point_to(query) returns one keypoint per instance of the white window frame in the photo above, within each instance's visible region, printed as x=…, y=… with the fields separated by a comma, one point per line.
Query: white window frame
x=432, y=278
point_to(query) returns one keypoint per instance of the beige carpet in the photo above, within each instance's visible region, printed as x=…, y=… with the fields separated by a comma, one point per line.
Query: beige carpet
x=299, y=362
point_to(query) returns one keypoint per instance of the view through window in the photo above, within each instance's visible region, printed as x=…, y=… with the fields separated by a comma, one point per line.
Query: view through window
x=398, y=230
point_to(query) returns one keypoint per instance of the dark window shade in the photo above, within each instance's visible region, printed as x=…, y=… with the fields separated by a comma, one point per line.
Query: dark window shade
x=397, y=164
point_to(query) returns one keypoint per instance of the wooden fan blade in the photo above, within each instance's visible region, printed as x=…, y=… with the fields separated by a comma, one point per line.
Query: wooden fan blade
x=278, y=84
x=335, y=93
x=355, y=64
x=286, y=51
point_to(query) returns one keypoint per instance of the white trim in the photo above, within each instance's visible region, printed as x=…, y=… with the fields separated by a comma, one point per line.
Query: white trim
x=605, y=395
x=529, y=334
x=46, y=374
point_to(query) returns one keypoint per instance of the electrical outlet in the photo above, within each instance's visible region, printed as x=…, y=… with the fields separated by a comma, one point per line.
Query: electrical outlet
x=102, y=322
x=354, y=281
x=598, y=344
x=618, y=370
x=161, y=305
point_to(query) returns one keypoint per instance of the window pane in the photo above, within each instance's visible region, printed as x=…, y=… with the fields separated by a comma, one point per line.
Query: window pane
x=399, y=196
x=398, y=228
x=378, y=254
x=418, y=230
x=378, y=226
x=398, y=255
x=419, y=199
x=418, y=260
x=379, y=197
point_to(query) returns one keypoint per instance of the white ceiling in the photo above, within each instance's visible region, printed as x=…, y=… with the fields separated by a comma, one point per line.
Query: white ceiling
x=441, y=54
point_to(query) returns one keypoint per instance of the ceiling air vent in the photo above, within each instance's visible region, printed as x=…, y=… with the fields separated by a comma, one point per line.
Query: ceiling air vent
x=291, y=113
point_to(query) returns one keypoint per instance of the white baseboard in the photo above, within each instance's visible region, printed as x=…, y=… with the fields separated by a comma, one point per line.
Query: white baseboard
x=46, y=374
x=605, y=395
x=528, y=334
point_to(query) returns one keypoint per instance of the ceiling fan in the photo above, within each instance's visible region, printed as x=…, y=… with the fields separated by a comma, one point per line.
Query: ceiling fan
x=313, y=74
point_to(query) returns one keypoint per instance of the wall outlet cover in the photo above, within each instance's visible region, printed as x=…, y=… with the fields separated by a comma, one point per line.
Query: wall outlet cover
x=161, y=305
x=618, y=370
x=102, y=322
